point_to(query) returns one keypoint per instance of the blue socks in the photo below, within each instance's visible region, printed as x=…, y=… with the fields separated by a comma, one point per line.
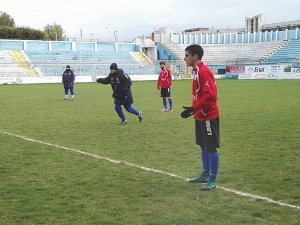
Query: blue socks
x=205, y=162
x=214, y=165
x=165, y=103
x=170, y=103
x=210, y=164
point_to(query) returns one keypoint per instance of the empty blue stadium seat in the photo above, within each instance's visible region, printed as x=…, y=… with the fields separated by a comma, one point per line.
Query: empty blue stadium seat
x=287, y=53
x=52, y=63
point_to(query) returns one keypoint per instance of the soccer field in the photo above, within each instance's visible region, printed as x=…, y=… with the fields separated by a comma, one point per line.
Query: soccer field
x=69, y=162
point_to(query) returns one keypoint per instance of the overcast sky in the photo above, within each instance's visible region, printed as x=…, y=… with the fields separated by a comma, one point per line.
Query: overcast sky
x=132, y=18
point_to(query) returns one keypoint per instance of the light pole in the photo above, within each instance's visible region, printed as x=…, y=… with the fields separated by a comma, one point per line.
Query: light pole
x=80, y=52
x=108, y=34
x=115, y=34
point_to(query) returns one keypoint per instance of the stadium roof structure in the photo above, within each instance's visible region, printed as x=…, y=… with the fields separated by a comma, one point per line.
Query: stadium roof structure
x=281, y=26
x=196, y=29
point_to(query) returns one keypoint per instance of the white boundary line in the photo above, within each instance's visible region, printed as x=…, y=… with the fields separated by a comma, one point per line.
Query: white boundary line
x=149, y=169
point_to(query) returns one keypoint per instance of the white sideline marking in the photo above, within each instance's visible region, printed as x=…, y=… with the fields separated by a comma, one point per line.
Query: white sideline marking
x=149, y=169
x=259, y=197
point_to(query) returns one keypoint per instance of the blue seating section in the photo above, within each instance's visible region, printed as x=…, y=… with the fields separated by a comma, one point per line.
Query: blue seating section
x=287, y=53
x=86, y=63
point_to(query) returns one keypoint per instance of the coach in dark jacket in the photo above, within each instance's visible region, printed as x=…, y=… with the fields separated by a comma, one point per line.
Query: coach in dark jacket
x=120, y=83
x=68, y=79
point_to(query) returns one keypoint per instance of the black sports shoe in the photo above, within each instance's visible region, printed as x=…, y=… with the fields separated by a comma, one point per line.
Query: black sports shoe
x=140, y=116
x=123, y=122
x=65, y=99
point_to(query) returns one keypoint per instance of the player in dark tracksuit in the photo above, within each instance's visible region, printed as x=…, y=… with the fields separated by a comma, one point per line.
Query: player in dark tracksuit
x=68, y=79
x=120, y=84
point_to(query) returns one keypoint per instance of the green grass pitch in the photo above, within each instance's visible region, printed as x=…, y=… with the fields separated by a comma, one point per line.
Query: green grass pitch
x=44, y=179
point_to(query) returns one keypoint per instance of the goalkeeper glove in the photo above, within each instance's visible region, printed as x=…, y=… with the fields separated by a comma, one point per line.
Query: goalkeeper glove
x=187, y=112
x=99, y=80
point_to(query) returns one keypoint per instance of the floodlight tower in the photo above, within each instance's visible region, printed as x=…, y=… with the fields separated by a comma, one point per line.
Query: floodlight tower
x=108, y=34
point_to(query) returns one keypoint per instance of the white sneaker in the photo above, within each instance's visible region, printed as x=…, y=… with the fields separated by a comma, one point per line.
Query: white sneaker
x=123, y=122
x=171, y=110
x=140, y=116
x=164, y=110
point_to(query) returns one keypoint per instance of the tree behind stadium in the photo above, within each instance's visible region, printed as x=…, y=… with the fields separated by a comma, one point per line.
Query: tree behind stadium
x=6, y=20
x=9, y=30
x=55, y=32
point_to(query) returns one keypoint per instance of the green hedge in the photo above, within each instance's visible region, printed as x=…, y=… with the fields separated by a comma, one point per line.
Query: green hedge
x=22, y=33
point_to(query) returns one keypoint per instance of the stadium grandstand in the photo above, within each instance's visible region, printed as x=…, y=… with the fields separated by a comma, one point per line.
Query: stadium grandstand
x=256, y=44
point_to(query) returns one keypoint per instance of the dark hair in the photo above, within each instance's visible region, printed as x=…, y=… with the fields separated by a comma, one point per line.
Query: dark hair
x=162, y=63
x=195, y=50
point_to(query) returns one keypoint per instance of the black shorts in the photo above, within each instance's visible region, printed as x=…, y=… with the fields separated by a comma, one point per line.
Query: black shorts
x=165, y=92
x=208, y=134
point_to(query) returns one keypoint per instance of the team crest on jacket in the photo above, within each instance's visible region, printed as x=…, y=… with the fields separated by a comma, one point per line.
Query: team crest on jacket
x=195, y=77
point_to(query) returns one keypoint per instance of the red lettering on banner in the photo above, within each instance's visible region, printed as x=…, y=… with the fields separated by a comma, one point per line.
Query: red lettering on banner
x=235, y=69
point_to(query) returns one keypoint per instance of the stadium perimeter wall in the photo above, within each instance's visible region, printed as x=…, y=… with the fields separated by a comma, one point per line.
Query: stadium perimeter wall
x=58, y=79
x=78, y=79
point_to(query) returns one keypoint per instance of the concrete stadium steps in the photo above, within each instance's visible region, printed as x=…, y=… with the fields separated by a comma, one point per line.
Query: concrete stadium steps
x=219, y=54
x=8, y=66
x=22, y=63
x=142, y=58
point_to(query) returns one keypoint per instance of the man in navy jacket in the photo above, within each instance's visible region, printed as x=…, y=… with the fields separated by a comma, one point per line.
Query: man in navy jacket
x=68, y=79
x=120, y=83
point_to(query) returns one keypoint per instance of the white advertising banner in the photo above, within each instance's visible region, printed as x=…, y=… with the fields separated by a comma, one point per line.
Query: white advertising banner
x=40, y=80
x=279, y=71
x=295, y=70
x=138, y=77
x=8, y=80
x=288, y=72
x=255, y=76
x=260, y=72
x=289, y=75
x=58, y=79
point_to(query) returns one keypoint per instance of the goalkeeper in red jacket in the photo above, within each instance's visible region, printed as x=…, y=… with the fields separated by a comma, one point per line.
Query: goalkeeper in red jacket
x=206, y=113
x=164, y=84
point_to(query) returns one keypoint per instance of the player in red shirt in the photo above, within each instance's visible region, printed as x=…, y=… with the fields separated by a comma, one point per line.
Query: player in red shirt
x=164, y=84
x=206, y=113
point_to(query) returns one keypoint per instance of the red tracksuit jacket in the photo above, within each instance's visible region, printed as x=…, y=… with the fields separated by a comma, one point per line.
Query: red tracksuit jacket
x=164, y=78
x=204, y=93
